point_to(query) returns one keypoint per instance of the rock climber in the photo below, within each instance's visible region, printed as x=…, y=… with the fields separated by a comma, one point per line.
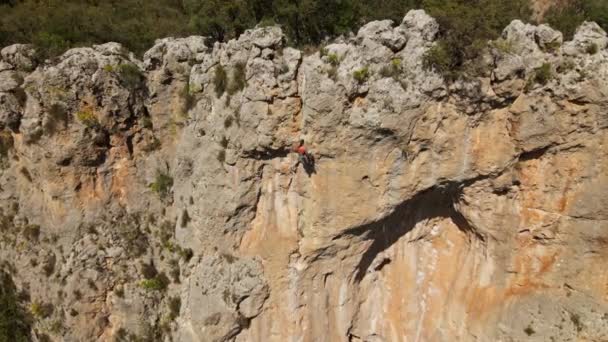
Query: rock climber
x=305, y=158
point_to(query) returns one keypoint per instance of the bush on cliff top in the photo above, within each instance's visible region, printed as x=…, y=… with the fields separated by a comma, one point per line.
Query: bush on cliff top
x=466, y=25
x=465, y=28
x=568, y=18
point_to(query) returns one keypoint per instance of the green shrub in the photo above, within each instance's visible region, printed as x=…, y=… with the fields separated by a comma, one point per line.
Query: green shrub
x=503, y=45
x=14, y=323
x=220, y=80
x=41, y=310
x=239, y=78
x=108, y=68
x=87, y=118
x=552, y=46
x=267, y=22
x=361, y=75
x=130, y=75
x=529, y=330
x=158, y=283
x=565, y=19
x=162, y=184
x=49, y=44
x=438, y=58
x=186, y=254
x=465, y=28
x=333, y=59
x=543, y=74
x=393, y=70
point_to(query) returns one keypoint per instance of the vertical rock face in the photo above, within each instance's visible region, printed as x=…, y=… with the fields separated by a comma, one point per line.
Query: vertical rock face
x=159, y=199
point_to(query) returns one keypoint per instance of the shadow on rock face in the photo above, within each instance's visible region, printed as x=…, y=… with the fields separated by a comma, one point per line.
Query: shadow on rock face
x=437, y=202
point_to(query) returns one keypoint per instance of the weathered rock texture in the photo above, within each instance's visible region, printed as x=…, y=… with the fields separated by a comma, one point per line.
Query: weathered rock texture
x=472, y=211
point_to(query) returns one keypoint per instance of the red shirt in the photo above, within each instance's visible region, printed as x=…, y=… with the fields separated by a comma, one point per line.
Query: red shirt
x=301, y=150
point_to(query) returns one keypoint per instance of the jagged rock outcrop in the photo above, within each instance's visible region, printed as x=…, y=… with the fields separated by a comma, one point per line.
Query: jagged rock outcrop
x=158, y=198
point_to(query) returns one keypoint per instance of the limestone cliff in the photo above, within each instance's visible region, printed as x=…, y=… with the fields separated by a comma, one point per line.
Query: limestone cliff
x=157, y=199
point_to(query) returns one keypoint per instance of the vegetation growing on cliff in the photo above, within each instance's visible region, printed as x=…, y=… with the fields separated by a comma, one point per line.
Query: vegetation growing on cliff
x=14, y=324
x=466, y=25
x=568, y=18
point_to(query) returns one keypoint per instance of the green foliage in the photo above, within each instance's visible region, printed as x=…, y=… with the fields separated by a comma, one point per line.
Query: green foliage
x=130, y=75
x=162, y=184
x=87, y=118
x=552, y=46
x=361, y=75
x=14, y=323
x=186, y=254
x=503, y=45
x=55, y=25
x=529, y=330
x=543, y=74
x=333, y=59
x=568, y=18
x=565, y=19
x=220, y=80
x=158, y=283
x=438, y=58
x=465, y=28
x=393, y=70
x=266, y=22
x=41, y=310
x=238, y=80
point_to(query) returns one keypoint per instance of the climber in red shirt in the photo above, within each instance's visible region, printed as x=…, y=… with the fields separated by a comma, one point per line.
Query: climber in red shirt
x=304, y=157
